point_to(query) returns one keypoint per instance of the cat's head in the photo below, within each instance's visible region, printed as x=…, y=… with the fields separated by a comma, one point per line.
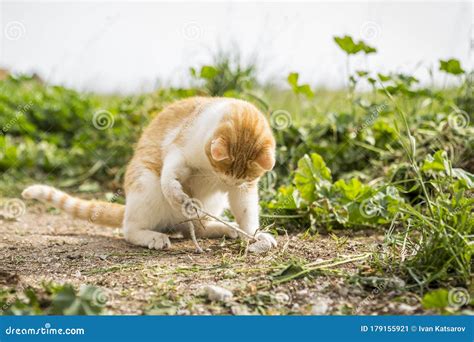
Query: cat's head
x=242, y=148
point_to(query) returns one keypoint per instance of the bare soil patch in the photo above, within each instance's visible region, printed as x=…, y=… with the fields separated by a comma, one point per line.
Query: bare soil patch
x=46, y=245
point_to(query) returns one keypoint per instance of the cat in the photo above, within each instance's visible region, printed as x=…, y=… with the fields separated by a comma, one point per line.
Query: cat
x=208, y=151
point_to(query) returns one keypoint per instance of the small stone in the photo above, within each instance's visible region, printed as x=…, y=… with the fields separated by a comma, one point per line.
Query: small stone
x=261, y=246
x=302, y=293
x=320, y=307
x=217, y=293
x=282, y=298
x=343, y=291
x=406, y=308
x=239, y=310
x=228, y=274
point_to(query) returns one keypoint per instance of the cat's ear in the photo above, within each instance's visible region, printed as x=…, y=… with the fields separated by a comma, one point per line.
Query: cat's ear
x=266, y=159
x=219, y=150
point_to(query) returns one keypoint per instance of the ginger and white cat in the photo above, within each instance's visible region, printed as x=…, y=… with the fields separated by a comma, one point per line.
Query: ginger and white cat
x=210, y=149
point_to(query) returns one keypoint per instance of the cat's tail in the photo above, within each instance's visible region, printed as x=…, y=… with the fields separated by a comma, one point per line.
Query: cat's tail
x=105, y=213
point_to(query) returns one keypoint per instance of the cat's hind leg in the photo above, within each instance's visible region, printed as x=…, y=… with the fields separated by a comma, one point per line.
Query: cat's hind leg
x=145, y=212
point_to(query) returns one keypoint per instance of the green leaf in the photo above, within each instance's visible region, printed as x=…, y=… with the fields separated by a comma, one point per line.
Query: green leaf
x=368, y=49
x=465, y=176
x=63, y=299
x=311, y=175
x=293, y=79
x=351, y=190
x=88, y=301
x=304, y=89
x=436, y=162
x=289, y=272
x=351, y=47
x=384, y=78
x=347, y=44
x=163, y=307
x=209, y=72
x=451, y=66
x=437, y=299
x=286, y=198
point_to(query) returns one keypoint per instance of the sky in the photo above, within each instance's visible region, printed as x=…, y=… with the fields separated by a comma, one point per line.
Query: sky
x=128, y=47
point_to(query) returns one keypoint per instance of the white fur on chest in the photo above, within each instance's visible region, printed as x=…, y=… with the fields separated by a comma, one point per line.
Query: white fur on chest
x=199, y=133
x=207, y=188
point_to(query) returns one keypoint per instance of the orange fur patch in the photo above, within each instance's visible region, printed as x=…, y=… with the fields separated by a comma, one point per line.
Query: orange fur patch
x=247, y=134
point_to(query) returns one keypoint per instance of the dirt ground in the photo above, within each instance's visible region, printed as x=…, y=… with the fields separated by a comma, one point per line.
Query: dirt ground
x=45, y=244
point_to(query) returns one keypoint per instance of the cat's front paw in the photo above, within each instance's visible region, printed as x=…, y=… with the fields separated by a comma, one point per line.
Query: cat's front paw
x=159, y=242
x=264, y=243
x=175, y=195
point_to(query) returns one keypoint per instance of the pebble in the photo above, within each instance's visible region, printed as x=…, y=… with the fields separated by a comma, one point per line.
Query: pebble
x=217, y=293
x=320, y=307
x=282, y=298
x=239, y=310
x=406, y=308
x=261, y=246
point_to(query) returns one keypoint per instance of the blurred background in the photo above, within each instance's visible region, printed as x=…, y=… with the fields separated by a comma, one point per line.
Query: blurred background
x=128, y=47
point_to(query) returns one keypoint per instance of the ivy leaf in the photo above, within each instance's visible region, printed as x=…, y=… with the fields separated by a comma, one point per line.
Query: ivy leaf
x=451, y=66
x=311, y=175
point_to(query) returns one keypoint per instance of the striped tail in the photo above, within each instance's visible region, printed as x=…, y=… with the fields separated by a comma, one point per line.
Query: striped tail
x=104, y=213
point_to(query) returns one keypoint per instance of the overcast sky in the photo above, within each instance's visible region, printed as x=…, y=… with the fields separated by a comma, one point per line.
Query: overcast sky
x=134, y=46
